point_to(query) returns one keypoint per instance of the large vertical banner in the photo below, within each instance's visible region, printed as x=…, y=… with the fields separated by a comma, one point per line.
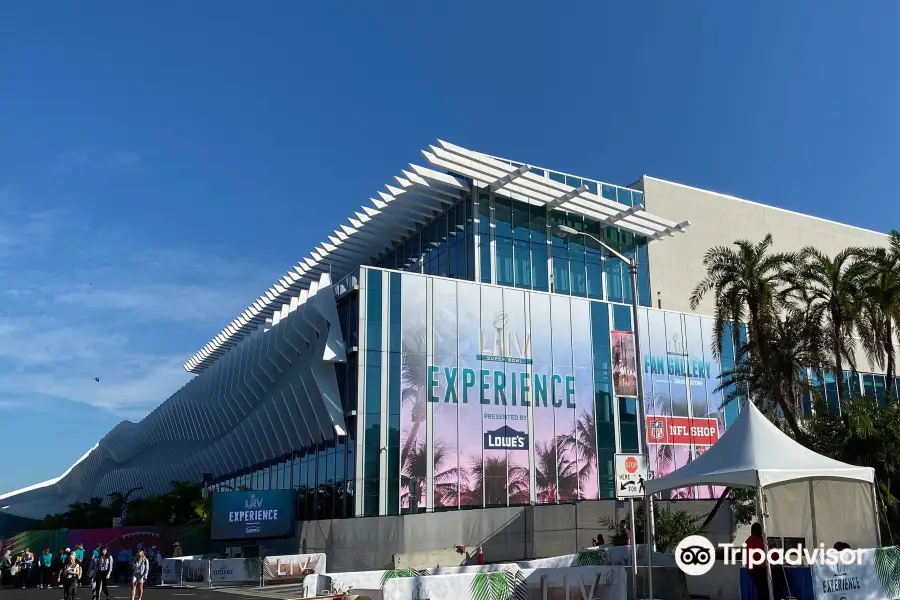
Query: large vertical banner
x=624, y=379
x=681, y=376
x=496, y=396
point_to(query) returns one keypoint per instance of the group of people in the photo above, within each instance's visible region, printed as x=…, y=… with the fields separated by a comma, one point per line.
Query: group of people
x=73, y=568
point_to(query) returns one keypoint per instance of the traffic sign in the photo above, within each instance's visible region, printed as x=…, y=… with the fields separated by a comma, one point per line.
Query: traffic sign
x=631, y=471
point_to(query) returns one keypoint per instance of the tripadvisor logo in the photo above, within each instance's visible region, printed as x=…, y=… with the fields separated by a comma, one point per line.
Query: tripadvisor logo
x=695, y=555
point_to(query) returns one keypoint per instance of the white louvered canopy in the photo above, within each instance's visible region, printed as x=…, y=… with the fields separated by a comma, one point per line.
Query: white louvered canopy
x=414, y=198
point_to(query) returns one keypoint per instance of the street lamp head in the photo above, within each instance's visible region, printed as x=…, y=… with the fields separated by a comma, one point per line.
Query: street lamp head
x=565, y=230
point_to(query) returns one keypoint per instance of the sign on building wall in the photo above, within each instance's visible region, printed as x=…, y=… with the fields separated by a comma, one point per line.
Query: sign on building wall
x=253, y=515
x=681, y=398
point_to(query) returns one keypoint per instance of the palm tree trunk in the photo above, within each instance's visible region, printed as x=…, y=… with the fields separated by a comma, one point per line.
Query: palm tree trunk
x=889, y=350
x=774, y=383
x=836, y=324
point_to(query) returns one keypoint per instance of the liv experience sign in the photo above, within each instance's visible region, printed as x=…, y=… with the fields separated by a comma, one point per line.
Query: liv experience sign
x=500, y=388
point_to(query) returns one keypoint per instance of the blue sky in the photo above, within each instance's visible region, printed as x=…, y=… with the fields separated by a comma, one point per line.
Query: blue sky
x=162, y=163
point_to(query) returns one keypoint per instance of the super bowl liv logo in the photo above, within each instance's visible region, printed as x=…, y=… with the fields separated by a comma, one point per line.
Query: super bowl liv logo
x=506, y=345
x=253, y=502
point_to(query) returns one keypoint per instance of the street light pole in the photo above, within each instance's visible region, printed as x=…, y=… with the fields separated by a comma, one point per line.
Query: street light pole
x=641, y=416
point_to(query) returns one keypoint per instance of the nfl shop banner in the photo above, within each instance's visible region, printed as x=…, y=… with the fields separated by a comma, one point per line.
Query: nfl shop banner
x=234, y=570
x=876, y=576
x=575, y=583
x=293, y=566
x=700, y=431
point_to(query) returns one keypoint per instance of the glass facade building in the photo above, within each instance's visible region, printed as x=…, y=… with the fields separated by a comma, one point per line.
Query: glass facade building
x=466, y=355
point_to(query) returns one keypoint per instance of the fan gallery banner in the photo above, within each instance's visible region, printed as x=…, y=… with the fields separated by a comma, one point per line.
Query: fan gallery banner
x=683, y=407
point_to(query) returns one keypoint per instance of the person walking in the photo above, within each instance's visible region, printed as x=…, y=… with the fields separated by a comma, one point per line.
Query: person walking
x=6, y=565
x=46, y=566
x=82, y=562
x=69, y=577
x=101, y=569
x=25, y=567
x=139, y=574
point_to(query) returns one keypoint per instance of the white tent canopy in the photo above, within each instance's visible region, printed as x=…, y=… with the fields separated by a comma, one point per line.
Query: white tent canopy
x=752, y=453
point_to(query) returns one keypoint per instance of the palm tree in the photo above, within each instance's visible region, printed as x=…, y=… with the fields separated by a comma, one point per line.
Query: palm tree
x=581, y=442
x=413, y=370
x=496, y=481
x=830, y=288
x=795, y=343
x=556, y=475
x=746, y=283
x=446, y=481
x=880, y=305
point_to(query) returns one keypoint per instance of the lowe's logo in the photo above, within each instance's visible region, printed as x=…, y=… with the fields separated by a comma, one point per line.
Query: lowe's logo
x=505, y=438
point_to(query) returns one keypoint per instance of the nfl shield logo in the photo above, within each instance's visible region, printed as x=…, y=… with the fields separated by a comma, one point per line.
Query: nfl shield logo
x=657, y=430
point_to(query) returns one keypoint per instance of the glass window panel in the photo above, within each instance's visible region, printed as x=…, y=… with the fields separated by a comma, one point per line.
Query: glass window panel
x=485, y=251
x=637, y=198
x=558, y=218
x=624, y=196
x=609, y=192
x=561, y=274
x=504, y=261
x=520, y=220
x=614, y=281
x=594, y=277
x=557, y=176
x=538, y=171
x=573, y=181
x=539, y=277
x=538, y=225
x=484, y=214
x=502, y=217
x=522, y=256
x=592, y=186
x=622, y=318
x=600, y=335
x=578, y=275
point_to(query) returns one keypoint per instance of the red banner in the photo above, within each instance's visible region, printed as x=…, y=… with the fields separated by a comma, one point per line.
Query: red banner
x=682, y=430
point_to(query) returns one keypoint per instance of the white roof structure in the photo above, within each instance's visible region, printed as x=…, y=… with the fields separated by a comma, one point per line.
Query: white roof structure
x=754, y=450
x=415, y=197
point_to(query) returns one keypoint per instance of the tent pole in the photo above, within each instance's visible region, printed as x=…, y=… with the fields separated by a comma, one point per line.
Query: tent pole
x=761, y=508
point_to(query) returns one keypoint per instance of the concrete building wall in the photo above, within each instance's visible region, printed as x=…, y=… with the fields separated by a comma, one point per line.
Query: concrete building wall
x=505, y=534
x=676, y=264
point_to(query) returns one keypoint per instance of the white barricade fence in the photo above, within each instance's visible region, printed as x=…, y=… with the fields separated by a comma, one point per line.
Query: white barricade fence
x=575, y=583
x=292, y=567
x=194, y=571
x=875, y=576
x=172, y=568
x=235, y=570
